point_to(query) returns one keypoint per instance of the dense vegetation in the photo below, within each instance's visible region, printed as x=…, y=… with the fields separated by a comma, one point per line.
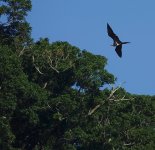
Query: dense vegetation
x=54, y=95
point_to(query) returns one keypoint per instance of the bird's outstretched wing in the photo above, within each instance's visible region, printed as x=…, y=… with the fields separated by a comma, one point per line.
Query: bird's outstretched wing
x=119, y=50
x=112, y=34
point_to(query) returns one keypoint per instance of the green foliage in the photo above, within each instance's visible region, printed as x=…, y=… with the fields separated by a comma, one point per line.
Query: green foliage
x=20, y=99
x=53, y=95
x=15, y=32
x=60, y=65
x=90, y=72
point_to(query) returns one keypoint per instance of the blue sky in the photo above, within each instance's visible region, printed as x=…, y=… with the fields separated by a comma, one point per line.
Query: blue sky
x=83, y=24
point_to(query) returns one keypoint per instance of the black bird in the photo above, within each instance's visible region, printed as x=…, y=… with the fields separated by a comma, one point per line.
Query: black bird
x=117, y=43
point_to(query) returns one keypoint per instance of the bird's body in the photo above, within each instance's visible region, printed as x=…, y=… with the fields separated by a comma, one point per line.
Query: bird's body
x=117, y=43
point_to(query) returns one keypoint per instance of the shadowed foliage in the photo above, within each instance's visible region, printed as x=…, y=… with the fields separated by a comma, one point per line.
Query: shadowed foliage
x=54, y=95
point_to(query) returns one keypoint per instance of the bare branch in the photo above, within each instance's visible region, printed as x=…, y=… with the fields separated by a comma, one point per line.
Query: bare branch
x=93, y=110
x=64, y=58
x=109, y=98
x=96, y=107
x=52, y=66
x=128, y=144
x=117, y=100
x=22, y=51
x=45, y=85
x=37, y=68
x=113, y=91
x=48, y=105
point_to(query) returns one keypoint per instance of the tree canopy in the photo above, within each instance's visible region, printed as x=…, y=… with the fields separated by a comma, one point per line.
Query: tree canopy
x=55, y=95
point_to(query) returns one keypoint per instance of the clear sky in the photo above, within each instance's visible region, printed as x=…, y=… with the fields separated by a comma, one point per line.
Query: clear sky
x=83, y=24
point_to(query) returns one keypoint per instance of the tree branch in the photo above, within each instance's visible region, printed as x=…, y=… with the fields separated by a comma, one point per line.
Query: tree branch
x=37, y=68
x=45, y=85
x=93, y=110
x=109, y=98
x=22, y=51
x=52, y=66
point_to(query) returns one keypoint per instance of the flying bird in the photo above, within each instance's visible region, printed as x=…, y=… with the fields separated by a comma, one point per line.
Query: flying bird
x=117, y=43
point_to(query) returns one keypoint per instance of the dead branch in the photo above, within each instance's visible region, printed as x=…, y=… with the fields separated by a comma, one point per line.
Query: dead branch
x=52, y=66
x=64, y=58
x=45, y=85
x=129, y=144
x=93, y=110
x=117, y=100
x=48, y=105
x=37, y=68
x=22, y=51
x=109, y=98
x=113, y=91
x=96, y=107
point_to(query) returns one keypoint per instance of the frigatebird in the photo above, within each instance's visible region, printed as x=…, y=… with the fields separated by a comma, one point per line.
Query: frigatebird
x=117, y=43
